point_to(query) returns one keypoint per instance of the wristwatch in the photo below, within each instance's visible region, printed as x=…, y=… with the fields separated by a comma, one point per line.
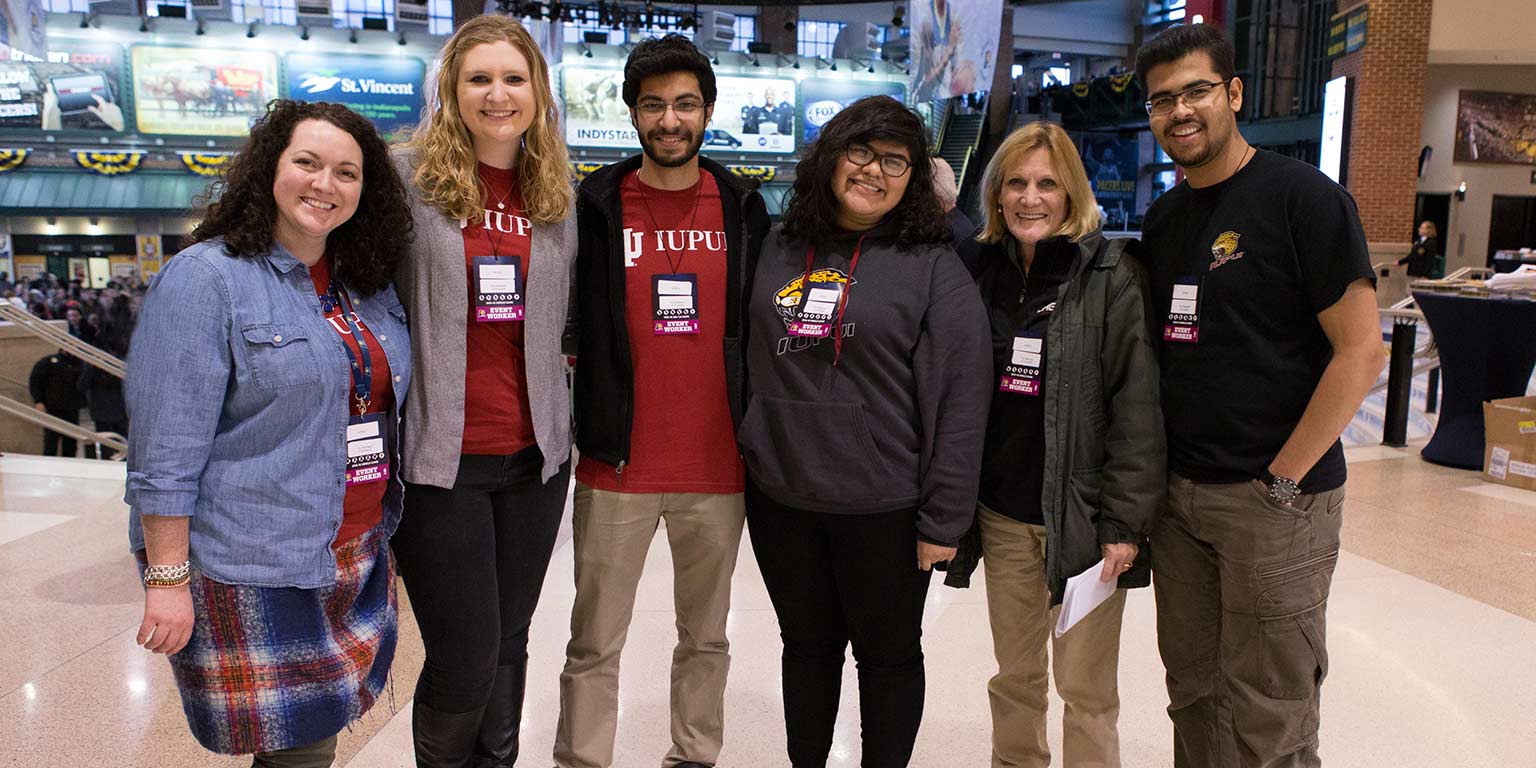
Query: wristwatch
x=1281, y=489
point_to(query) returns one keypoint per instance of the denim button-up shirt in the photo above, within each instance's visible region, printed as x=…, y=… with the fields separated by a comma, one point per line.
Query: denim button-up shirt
x=237, y=389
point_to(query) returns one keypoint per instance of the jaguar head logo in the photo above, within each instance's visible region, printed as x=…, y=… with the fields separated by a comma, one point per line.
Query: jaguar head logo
x=787, y=299
x=1225, y=245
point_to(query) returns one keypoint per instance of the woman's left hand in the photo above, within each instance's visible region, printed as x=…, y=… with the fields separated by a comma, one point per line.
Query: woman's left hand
x=1117, y=560
x=928, y=554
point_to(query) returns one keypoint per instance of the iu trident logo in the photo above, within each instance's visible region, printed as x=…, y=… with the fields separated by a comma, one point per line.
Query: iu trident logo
x=632, y=246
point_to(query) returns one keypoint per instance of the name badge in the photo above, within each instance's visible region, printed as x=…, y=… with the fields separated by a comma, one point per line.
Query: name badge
x=816, y=314
x=1183, y=324
x=498, y=288
x=367, y=450
x=674, y=304
x=1022, y=373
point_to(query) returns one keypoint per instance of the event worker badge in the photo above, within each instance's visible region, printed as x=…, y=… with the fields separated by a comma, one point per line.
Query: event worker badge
x=674, y=304
x=367, y=455
x=1022, y=373
x=1184, y=313
x=498, y=288
x=815, y=316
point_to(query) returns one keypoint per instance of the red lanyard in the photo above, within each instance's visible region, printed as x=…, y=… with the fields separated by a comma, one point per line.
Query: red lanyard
x=805, y=289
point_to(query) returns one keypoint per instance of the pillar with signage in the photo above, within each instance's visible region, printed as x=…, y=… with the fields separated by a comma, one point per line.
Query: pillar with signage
x=1382, y=48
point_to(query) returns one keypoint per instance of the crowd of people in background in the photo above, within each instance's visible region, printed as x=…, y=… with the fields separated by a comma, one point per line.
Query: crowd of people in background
x=61, y=384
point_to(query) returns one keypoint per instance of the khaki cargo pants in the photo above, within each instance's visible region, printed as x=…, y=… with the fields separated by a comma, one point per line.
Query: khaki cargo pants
x=1242, y=590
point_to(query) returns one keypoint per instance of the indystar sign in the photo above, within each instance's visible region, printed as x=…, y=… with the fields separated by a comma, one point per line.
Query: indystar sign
x=384, y=89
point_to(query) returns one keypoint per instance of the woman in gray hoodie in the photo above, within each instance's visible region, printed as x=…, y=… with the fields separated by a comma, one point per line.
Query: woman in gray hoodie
x=867, y=370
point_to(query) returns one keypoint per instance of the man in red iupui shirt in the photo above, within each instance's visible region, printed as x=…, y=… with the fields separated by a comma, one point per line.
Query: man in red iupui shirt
x=667, y=240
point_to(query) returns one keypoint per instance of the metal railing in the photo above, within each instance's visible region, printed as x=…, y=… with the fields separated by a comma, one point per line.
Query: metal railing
x=79, y=349
x=25, y=412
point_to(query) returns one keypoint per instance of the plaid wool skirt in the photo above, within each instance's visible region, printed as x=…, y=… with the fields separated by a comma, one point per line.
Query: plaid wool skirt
x=271, y=668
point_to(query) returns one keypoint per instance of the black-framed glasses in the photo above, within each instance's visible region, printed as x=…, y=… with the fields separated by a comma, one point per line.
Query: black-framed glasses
x=890, y=165
x=682, y=108
x=1163, y=103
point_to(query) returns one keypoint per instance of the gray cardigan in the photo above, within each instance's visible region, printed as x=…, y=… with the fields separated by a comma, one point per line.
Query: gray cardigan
x=434, y=287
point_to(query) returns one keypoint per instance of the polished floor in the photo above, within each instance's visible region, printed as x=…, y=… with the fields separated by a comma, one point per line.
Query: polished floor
x=1432, y=631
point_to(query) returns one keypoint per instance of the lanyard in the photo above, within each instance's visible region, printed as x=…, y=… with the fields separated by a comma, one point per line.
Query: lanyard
x=805, y=288
x=362, y=372
x=698, y=194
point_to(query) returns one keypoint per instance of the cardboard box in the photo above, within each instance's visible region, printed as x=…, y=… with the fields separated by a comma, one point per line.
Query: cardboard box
x=1510, y=456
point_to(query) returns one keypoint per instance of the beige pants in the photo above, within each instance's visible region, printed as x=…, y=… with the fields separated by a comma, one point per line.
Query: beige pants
x=611, y=533
x=1085, y=660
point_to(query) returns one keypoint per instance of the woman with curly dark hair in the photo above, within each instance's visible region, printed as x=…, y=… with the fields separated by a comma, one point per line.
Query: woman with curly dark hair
x=264, y=384
x=868, y=367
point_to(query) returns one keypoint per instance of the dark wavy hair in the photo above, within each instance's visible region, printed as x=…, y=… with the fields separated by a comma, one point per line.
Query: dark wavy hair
x=811, y=213
x=239, y=207
x=673, y=53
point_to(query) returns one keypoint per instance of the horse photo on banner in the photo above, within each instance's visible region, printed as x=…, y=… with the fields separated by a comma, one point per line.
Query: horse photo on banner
x=954, y=46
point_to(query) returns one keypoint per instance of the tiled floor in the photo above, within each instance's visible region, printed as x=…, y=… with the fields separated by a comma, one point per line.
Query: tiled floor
x=1431, y=629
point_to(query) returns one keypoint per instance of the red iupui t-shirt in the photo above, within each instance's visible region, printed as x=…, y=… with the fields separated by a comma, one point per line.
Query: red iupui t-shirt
x=683, y=440
x=497, y=419
x=363, y=505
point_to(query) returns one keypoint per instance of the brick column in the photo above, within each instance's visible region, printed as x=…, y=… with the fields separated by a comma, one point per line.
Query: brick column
x=1387, y=77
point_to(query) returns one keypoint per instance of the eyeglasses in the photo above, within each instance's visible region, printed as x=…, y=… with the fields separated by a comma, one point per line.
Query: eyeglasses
x=682, y=108
x=890, y=165
x=1162, y=104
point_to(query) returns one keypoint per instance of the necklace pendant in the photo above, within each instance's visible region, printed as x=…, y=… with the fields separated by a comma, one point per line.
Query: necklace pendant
x=500, y=206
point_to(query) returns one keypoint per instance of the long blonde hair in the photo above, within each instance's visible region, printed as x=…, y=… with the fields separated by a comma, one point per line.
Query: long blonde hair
x=446, y=167
x=1082, y=217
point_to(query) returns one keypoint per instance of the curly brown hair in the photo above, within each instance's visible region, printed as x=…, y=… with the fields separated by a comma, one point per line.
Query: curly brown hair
x=239, y=206
x=811, y=213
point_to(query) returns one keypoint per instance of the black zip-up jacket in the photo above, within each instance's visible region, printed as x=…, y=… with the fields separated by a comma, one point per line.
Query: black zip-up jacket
x=604, y=394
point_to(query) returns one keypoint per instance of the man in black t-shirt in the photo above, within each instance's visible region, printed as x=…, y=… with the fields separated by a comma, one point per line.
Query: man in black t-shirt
x=1264, y=290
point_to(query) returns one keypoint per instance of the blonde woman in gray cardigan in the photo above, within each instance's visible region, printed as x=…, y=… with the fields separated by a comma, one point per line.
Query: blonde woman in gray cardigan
x=487, y=425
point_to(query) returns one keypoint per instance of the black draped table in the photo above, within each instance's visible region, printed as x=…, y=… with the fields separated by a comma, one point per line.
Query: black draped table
x=1487, y=351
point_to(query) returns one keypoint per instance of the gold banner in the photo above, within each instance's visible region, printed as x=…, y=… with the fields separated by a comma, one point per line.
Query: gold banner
x=1080, y=89
x=108, y=163
x=763, y=173
x=11, y=159
x=584, y=169
x=204, y=163
x=1118, y=83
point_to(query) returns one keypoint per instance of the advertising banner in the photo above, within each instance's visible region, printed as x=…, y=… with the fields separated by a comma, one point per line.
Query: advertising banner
x=23, y=26
x=954, y=46
x=752, y=114
x=821, y=98
x=384, y=89
x=1112, y=163
x=595, y=114
x=78, y=88
x=201, y=91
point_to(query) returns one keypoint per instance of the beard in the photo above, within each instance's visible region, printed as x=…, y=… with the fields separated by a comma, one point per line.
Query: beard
x=1194, y=157
x=693, y=143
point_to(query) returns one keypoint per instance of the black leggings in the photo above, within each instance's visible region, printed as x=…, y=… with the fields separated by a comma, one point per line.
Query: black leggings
x=834, y=579
x=473, y=559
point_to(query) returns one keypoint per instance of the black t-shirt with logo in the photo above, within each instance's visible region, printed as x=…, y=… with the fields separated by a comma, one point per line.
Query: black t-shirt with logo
x=1013, y=463
x=1268, y=249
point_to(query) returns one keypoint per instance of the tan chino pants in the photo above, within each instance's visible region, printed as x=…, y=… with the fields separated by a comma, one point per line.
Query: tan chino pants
x=1085, y=660
x=611, y=534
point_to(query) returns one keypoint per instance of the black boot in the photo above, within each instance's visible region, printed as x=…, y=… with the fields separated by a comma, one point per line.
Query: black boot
x=443, y=740
x=496, y=746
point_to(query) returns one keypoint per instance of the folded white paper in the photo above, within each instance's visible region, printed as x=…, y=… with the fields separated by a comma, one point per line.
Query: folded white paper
x=1084, y=593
